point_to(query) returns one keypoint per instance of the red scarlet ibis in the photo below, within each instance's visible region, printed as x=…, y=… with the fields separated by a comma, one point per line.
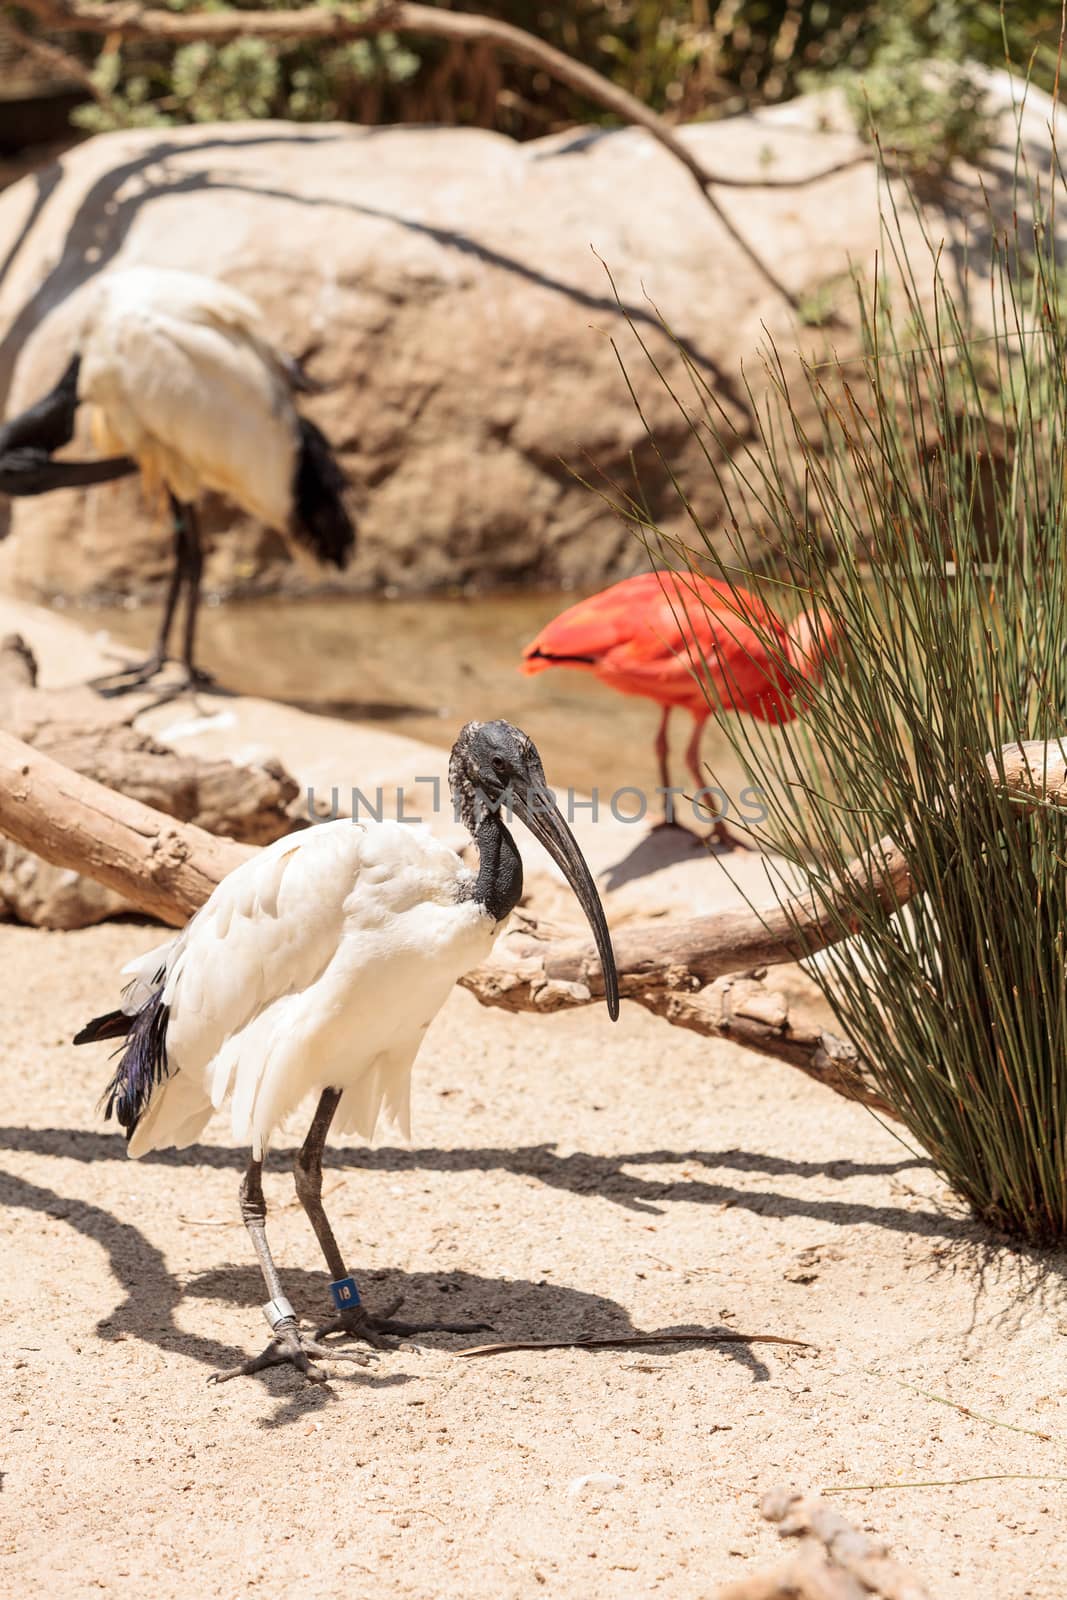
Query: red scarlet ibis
x=684, y=640
x=316, y=967
x=183, y=384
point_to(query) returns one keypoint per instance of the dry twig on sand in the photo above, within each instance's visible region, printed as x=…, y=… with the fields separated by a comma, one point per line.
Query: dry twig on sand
x=625, y=1341
x=834, y=1561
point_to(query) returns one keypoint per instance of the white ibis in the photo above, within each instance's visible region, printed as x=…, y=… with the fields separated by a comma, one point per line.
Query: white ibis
x=183, y=385
x=315, y=968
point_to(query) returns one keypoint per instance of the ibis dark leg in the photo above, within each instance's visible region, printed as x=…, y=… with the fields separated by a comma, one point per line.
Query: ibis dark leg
x=186, y=520
x=142, y=672
x=719, y=830
x=352, y=1317
x=288, y=1347
x=187, y=573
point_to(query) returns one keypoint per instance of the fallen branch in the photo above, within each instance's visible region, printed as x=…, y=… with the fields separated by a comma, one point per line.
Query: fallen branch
x=834, y=1561
x=534, y=969
x=163, y=867
x=336, y=25
x=688, y=972
x=676, y=958
x=250, y=803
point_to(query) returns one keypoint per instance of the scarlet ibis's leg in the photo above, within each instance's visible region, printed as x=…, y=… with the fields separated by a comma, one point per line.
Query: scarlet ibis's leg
x=352, y=1317
x=692, y=751
x=661, y=749
x=288, y=1347
x=719, y=831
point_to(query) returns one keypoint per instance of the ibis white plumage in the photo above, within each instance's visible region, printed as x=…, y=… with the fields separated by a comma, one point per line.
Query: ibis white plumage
x=184, y=385
x=315, y=968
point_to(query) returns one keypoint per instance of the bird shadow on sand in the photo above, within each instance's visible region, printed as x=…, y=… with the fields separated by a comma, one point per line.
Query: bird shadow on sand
x=355, y=710
x=512, y=1308
x=958, y=1241
x=609, y=1177
x=655, y=851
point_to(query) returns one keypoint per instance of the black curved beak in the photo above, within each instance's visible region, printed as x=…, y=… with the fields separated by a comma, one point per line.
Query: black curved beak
x=545, y=821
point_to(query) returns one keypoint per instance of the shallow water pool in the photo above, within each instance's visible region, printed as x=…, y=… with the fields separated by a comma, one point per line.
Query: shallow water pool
x=422, y=667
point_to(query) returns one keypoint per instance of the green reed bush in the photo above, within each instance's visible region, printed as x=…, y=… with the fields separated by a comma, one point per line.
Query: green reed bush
x=918, y=494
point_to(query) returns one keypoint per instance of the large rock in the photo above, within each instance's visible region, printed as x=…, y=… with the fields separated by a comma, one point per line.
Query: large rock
x=449, y=289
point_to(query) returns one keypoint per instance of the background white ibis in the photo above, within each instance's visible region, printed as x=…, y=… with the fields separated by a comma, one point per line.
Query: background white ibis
x=316, y=967
x=183, y=384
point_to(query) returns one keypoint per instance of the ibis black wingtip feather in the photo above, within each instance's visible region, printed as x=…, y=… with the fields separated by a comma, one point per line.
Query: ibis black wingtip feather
x=142, y=1066
x=112, y=1025
x=322, y=521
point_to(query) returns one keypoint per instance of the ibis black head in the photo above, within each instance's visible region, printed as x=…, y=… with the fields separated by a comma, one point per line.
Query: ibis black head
x=488, y=760
x=496, y=768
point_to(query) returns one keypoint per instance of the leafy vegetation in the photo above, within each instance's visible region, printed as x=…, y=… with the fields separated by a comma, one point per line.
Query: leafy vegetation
x=686, y=58
x=918, y=495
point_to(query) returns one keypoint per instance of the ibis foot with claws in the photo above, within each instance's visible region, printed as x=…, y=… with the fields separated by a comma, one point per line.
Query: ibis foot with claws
x=125, y=679
x=291, y=1348
x=143, y=673
x=724, y=836
x=379, y=1331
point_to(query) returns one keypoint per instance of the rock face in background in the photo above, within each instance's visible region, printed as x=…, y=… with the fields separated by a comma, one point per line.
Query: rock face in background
x=445, y=288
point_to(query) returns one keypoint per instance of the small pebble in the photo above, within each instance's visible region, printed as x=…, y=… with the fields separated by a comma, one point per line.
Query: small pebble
x=592, y=1480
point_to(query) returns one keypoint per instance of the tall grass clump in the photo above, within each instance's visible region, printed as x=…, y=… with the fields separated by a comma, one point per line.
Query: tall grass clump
x=917, y=494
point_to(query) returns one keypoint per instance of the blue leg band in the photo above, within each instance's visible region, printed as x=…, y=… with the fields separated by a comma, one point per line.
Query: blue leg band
x=345, y=1294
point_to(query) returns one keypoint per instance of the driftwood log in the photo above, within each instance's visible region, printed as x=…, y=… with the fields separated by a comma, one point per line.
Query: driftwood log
x=685, y=971
x=251, y=804
x=833, y=1560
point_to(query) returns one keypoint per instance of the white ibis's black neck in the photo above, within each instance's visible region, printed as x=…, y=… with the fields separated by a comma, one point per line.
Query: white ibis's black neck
x=499, y=883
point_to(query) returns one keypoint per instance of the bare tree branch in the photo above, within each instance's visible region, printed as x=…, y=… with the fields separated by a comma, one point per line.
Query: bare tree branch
x=65, y=66
x=132, y=21
x=684, y=956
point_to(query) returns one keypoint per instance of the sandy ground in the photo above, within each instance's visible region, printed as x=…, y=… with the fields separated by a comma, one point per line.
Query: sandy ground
x=570, y=1178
